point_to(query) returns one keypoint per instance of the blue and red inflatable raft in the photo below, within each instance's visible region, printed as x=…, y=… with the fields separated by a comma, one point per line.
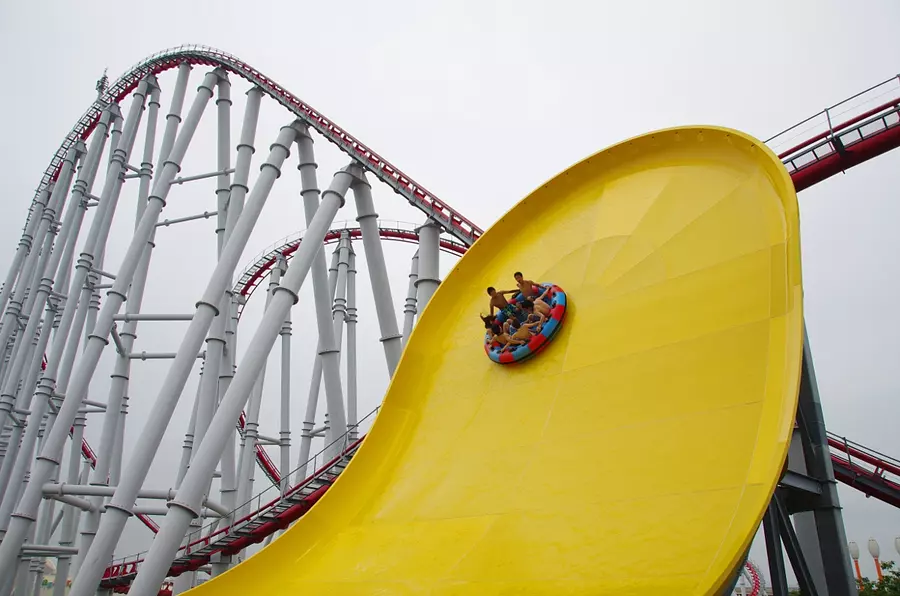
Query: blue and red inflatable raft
x=556, y=299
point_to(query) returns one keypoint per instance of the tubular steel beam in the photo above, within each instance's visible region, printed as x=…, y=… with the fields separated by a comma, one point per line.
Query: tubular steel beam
x=118, y=510
x=165, y=545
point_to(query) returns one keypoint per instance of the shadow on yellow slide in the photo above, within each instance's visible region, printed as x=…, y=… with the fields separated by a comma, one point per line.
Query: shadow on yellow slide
x=637, y=453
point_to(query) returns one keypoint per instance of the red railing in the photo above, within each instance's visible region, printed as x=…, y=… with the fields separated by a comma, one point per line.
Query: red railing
x=867, y=470
x=841, y=136
x=239, y=531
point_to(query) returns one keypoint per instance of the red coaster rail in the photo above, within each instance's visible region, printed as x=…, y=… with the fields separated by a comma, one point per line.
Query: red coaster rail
x=873, y=473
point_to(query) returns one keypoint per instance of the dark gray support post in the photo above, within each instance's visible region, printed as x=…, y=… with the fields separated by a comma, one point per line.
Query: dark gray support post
x=773, y=549
x=829, y=522
x=792, y=546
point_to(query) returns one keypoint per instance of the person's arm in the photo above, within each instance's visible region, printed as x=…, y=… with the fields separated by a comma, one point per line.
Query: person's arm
x=544, y=294
x=492, y=308
x=504, y=292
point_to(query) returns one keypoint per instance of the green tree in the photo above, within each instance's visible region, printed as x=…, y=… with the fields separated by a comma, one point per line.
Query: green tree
x=888, y=586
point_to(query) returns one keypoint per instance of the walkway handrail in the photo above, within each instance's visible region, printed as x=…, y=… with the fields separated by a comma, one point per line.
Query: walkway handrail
x=127, y=565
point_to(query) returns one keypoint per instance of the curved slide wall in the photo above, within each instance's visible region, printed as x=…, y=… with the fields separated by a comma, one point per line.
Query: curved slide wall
x=637, y=453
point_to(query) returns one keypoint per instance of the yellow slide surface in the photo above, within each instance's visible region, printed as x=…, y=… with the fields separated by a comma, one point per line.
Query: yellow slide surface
x=637, y=453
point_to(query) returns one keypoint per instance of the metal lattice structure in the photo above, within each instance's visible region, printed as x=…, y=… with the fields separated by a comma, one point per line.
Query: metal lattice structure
x=55, y=326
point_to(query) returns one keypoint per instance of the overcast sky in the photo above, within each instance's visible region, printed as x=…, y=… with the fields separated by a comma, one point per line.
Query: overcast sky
x=481, y=102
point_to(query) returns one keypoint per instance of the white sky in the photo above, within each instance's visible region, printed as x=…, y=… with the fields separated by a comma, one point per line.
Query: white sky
x=481, y=102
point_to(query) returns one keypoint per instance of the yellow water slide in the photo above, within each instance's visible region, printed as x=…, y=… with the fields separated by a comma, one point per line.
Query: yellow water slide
x=637, y=453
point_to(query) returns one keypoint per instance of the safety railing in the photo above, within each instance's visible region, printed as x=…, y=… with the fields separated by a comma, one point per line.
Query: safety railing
x=207, y=539
x=862, y=457
x=839, y=126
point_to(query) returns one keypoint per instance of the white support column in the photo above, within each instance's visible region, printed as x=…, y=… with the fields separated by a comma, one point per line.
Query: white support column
x=330, y=355
x=339, y=309
x=96, y=239
x=228, y=463
x=429, y=265
x=190, y=495
x=71, y=224
x=409, y=307
x=71, y=515
x=223, y=155
x=50, y=453
x=246, y=467
x=235, y=205
x=23, y=248
x=284, y=436
x=215, y=339
x=245, y=150
x=116, y=405
x=352, y=416
x=115, y=133
x=119, y=508
x=24, y=357
x=381, y=288
x=16, y=296
x=28, y=298
x=188, y=446
x=312, y=401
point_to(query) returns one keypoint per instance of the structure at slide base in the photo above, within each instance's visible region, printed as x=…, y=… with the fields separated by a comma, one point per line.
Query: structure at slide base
x=679, y=255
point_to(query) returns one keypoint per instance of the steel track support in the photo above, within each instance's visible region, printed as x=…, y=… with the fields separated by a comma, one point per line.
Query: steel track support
x=43, y=266
x=119, y=508
x=246, y=467
x=352, y=401
x=777, y=573
x=26, y=353
x=39, y=291
x=73, y=220
x=188, y=445
x=51, y=451
x=409, y=307
x=827, y=533
x=188, y=501
x=429, y=263
x=329, y=354
x=312, y=401
x=284, y=437
x=391, y=339
x=23, y=249
x=116, y=402
x=96, y=239
x=71, y=515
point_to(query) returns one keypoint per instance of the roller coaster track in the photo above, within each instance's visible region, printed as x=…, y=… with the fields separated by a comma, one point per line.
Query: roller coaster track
x=873, y=473
x=453, y=222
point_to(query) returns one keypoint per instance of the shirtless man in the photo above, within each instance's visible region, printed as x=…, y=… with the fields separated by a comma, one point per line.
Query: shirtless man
x=526, y=286
x=498, y=301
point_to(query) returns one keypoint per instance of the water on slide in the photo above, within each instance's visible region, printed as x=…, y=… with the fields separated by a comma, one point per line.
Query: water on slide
x=637, y=453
